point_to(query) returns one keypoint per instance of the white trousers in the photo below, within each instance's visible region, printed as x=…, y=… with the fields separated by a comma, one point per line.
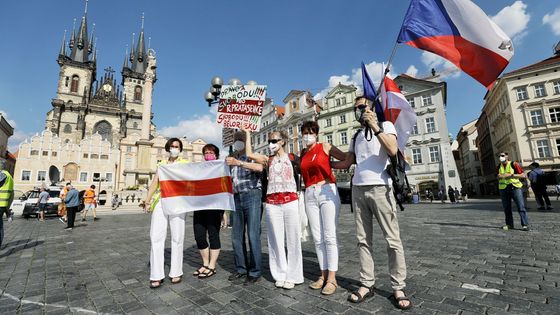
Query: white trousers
x=322, y=205
x=158, y=234
x=283, y=224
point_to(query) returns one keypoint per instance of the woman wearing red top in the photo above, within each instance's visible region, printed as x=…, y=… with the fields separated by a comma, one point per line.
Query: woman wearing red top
x=322, y=203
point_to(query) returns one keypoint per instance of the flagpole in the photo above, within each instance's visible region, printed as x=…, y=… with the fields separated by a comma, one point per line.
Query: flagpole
x=387, y=69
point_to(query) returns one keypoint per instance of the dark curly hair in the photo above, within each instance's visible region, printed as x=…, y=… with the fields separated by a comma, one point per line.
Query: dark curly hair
x=170, y=142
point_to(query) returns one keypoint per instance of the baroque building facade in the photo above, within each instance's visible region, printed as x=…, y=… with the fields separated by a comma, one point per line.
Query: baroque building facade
x=521, y=116
x=468, y=161
x=98, y=130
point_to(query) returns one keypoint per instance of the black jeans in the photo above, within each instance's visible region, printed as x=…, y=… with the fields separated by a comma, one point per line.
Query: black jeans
x=207, y=221
x=71, y=213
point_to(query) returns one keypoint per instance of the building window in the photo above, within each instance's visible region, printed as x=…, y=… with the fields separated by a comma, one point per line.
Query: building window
x=556, y=86
x=415, y=129
x=34, y=152
x=343, y=138
x=291, y=148
x=426, y=100
x=138, y=93
x=94, y=156
x=290, y=130
x=539, y=90
x=430, y=125
x=104, y=129
x=104, y=157
x=41, y=176
x=83, y=176
x=135, y=125
x=54, y=154
x=558, y=145
x=96, y=177
x=521, y=93
x=342, y=119
x=340, y=101
x=328, y=122
x=75, y=84
x=329, y=138
x=416, y=156
x=536, y=117
x=434, y=154
x=411, y=101
x=108, y=177
x=543, y=150
x=45, y=153
x=554, y=114
x=128, y=149
x=67, y=128
x=85, y=155
x=66, y=80
x=258, y=139
x=25, y=175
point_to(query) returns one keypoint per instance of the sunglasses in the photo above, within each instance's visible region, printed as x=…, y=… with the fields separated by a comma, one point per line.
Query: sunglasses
x=361, y=107
x=274, y=140
x=502, y=155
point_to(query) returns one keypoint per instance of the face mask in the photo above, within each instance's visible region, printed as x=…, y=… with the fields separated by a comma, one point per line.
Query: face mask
x=502, y=159
x=359, y=114
x=238, y=145
x=209, y=157
x=174, y=152
x=309, y=139
x=273, y=147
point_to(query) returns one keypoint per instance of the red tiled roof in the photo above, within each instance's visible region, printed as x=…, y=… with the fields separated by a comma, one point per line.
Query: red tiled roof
x=280, y=111
x=539, y=64
x=13, y=155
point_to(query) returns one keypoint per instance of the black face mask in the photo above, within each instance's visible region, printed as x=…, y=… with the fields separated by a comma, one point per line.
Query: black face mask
x=359, y=113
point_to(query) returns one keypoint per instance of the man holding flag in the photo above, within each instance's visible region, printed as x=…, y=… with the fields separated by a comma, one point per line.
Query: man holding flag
x=372, y=195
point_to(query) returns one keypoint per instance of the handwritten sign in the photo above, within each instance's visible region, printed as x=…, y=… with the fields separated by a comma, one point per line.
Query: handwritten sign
x=241, y=106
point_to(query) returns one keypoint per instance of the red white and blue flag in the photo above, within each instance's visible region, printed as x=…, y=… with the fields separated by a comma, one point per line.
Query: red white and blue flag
x=398, y=111
x=459, y=31
x=189, y=187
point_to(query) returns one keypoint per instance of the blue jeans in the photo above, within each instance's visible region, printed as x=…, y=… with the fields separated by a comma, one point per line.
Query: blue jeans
x=247, y=217
x=517, y=194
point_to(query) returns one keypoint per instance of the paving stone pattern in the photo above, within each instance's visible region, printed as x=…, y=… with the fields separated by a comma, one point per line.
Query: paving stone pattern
x=102, y=267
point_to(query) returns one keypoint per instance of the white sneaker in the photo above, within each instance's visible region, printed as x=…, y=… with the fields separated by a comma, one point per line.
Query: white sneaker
x=288, y=285
x=279, y=284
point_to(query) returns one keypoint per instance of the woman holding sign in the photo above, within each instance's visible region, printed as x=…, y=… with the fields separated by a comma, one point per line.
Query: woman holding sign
x=282, y=212
x=158, y=227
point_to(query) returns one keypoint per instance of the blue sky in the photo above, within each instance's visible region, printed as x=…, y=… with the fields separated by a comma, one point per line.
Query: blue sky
x=288, y=44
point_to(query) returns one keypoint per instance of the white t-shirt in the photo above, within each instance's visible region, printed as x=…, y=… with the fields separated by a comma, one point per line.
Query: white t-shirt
x=371, y=159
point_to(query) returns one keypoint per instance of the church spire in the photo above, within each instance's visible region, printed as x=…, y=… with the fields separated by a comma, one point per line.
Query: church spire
x=80, y=42
x=125, y=62
x=140, y=60
x=63, y=46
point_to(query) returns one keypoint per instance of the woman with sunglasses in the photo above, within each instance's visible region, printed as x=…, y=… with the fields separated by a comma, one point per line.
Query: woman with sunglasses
x=322, y=203
x=158, y=226
x=282, y=211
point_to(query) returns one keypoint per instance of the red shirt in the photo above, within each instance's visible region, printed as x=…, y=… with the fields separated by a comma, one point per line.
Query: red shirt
x=316, y=167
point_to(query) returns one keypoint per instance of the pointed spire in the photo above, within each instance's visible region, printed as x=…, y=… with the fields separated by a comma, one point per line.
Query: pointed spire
x=63, y=46
x=125, y=62
x=85, y=9
x=73, y=37
x=91, y=42
x=94, y=58
x=140, y=62
x=81, y=46
x=132, y=49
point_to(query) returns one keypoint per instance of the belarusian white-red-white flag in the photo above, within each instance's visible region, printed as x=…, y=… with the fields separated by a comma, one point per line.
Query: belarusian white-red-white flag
x=398, y=111
x=196, y=186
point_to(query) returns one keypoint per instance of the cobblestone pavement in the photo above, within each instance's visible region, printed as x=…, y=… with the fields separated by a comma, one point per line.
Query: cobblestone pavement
x=459, y=262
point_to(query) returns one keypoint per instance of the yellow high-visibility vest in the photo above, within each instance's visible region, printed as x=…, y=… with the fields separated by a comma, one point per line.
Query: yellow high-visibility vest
x=7, y=190
x=504, y=182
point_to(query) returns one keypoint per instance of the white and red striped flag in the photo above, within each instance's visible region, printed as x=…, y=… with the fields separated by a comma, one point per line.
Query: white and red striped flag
x=398, y=111
x=189, y=187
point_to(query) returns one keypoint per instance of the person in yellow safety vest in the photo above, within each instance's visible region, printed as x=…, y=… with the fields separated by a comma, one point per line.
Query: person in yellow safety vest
x=6, y=195
x=158, y=226
x=509, y=175
x=89, y=203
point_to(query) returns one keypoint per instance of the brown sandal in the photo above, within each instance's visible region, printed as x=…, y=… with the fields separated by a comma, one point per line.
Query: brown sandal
x=154, y=284
x=328, y=290
x=318, y=284
x=179, y=279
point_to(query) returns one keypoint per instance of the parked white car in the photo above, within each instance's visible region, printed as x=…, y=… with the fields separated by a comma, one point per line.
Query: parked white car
x=26, y=204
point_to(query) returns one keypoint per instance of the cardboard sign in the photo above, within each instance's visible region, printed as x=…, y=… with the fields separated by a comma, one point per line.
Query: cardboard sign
x=241, y=106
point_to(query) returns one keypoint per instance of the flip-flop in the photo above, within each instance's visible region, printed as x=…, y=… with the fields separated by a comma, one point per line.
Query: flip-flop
x=402, y=298
x=154, y=286
x=207, y=274
x=361, y=298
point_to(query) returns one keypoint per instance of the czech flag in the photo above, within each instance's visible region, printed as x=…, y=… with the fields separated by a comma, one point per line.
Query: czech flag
x=189, y=187
x=398, y=111
x=460, y=32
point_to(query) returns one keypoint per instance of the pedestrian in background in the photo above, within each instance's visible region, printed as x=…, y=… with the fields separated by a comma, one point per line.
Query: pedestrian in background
x=451, y=194
x=457, y=195
x=72, y=200
x=42, y=203
x=248, y=211
x=62, y=206
x=89, y=203
x=207, y=223
x=372, y=197
x=322, y=203
x=538, y=185
x=557, y=188
x=509, y=178
x=6, y=196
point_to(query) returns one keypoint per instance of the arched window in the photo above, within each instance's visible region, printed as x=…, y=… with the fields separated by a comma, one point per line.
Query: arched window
x=66, y=81
x=104, y=129
x=138, y=93
x=67, y=128
x=75, y=84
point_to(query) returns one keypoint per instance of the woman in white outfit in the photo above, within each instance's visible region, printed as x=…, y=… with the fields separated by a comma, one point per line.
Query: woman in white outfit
x=158, y=227
x=282, y=213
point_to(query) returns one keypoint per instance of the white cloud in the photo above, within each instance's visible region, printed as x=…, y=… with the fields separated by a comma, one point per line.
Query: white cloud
x=443, y=67
x=374, y=69
x=513, y=20
x=412, y=71
x=16, y=139
x=10, y=121
x=553, y=20
x=203, y=127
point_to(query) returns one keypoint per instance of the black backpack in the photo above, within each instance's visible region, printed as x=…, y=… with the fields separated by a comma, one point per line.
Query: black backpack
x=396, y=170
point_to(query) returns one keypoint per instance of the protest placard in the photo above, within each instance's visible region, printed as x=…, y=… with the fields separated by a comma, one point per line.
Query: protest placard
x=241, y=106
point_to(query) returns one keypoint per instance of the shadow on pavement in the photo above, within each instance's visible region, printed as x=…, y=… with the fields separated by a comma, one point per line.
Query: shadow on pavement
x=10, y=251
x=463, y=225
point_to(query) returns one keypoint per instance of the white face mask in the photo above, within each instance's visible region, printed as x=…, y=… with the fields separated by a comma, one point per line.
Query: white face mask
x=273, y=147
x=309, y=139
x=238, y=145
x=502, y=159
x=174, y=152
